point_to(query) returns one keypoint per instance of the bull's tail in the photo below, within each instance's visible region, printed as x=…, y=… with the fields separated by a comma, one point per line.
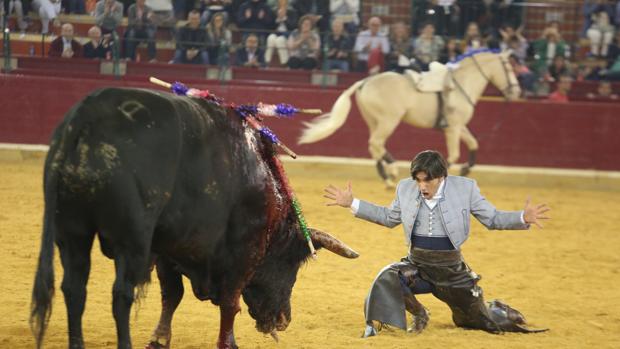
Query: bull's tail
x=43, y=289
x=325, y=125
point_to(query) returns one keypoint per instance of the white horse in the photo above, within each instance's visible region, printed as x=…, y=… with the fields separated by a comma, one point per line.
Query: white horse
x=387, y=98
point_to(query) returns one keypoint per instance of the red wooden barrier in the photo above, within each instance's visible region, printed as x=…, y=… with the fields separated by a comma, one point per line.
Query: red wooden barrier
x=574, y=135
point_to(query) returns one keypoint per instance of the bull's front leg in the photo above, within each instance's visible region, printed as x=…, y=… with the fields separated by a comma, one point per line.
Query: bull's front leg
x=171, y=284
x=228, y=310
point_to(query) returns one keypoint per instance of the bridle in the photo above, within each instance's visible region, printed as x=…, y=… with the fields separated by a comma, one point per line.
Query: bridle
x=505, y=91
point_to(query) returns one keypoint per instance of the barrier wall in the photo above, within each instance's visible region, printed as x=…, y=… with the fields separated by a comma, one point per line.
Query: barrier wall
x=575, y=135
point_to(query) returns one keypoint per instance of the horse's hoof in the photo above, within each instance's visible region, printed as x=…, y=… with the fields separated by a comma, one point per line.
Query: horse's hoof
x=465, y=170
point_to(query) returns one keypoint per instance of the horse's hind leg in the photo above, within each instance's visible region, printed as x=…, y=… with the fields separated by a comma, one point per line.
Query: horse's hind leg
x=472, y=146
x=75, y=257
x=376, y=146
x=171, y=284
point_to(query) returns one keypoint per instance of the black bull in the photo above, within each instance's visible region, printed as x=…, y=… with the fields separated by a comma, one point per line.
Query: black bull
x=179, y=181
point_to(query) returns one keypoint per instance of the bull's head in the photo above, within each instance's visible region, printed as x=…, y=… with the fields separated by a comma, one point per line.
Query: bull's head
x=268, y=294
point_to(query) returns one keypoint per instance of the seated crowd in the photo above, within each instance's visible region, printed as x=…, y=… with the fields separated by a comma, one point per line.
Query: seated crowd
x=317, y=34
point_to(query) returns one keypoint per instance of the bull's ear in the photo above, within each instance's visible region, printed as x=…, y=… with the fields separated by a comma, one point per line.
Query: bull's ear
x=328, y=242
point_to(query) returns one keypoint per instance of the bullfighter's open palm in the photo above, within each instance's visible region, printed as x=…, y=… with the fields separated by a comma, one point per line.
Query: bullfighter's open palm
x=533, y=213
x=340, y=197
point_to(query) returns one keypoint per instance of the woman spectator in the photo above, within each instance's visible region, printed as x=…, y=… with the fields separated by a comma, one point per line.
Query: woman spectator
x=473, y=39
x=557, y=68
x=546, y=48
x=286, y=22
x=450, y=51
x=48, y=10
x=304, y=44
x=97, y=47
x=427, y=46
x=601, y=33
x=219, y=39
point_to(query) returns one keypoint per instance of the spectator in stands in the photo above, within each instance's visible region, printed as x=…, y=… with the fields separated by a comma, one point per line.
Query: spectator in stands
x=140, y=28
x=560, y=95
x=347, y=12
x=401, y=48
x=450, y=51
x=592, y=8
x=603, y=92
x=108, y=15
x=318, y=10
x=163, y=13
x=614, y=50
x=526, y=78
x=339, y=46
x=65, y=45
x=250, y=55
x=10, y=6
x=472, y=40
x=219, y=39
x=98, y=47
x=48, y=10
x=211, y=7
x=304, y=44
x=255, y=17
x=371, y=43
x=558, y=68
x=514, y=40
x=600, y=33
x=546, y=48
x=286, y=22
x=191, y=42
x=427, y=46
x=77, y=7
x=444, y=15
x=507, y=12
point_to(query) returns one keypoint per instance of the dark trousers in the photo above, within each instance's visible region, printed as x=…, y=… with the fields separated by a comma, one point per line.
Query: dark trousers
x=307, y=63
x=134, y=37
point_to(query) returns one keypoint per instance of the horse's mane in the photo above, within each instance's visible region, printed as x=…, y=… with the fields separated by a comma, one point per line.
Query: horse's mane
x=473, y=53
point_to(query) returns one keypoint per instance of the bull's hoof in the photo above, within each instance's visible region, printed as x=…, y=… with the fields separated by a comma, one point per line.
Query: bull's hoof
x=465, y=170
x=389, y=183
x=156, y=345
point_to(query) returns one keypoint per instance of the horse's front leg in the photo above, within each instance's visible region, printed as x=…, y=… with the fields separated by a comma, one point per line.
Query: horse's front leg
x=228, y=310
x=171, y=284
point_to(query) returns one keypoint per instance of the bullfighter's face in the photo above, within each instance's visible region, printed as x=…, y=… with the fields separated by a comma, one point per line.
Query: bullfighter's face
x=428, y=187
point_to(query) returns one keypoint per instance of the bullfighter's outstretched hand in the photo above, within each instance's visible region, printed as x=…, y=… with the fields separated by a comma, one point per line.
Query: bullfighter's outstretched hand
x=340, y=197
x=533, y=213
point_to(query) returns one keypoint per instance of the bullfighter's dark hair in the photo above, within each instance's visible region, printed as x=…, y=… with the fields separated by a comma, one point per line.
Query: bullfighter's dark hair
x=431, y=162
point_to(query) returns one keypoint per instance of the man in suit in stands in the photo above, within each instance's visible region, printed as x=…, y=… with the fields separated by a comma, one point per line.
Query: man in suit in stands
x=250, y=55
x=435, y=209
x=65, y=46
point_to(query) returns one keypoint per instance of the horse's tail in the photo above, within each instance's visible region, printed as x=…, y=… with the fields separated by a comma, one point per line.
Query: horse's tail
x=326, y=124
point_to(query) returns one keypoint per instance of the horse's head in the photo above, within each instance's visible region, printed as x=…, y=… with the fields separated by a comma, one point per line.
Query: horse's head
x=502, y=76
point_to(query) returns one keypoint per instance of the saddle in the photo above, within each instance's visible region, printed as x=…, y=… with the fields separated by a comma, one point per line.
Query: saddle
x=435, y=80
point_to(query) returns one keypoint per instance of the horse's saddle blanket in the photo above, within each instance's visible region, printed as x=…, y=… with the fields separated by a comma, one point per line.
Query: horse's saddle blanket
x=435, y=80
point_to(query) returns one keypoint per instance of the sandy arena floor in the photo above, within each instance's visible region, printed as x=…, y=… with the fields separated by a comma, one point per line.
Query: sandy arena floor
x=565, y=277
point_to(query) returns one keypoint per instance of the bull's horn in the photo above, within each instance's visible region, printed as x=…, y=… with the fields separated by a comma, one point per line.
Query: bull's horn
x=332, y=244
